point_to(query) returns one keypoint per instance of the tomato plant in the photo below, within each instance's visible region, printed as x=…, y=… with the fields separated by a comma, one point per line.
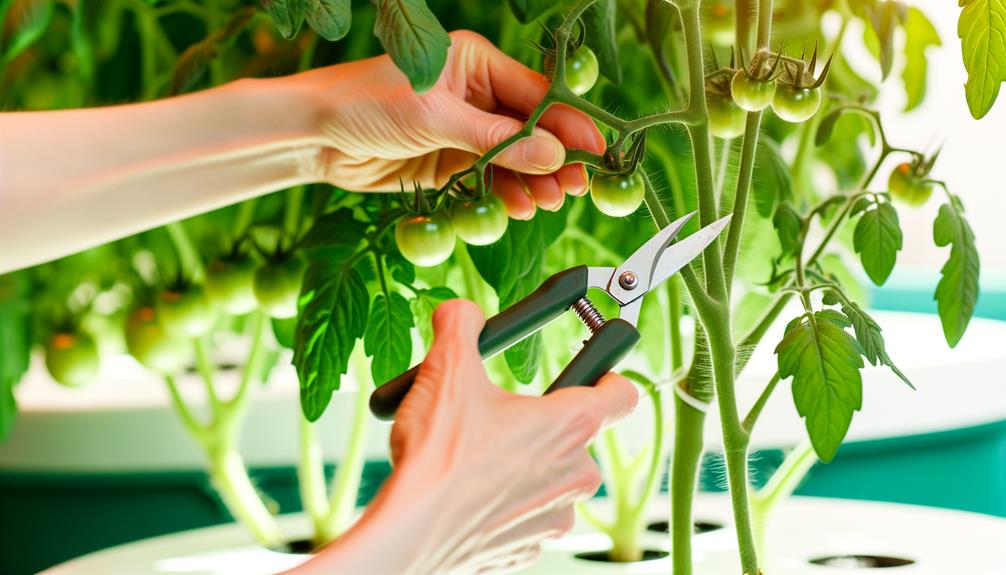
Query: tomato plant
x=337, y=286
x=617, y=195
x=426, y=239
x=479, y=222
x=72, y=358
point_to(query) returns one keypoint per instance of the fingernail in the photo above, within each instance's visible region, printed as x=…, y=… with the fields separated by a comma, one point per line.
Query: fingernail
x=543, y=153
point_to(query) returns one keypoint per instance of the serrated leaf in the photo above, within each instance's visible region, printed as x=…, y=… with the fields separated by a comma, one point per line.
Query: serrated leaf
x=287, y=15
x=860, y=205
x=877, y=239
x=423, y=306
x=24, y=22
x=416, y=41
x=919, y=35
x=402, y=270
x=528, y=10
x=15, y=344
x=771, y=178
x=334, y=236
x=599, y=22
x=982, y=30
x=331, y=19
x=333, y=314
x=513, y=267
x=824, y=362
x=388, y=339
x=870, y=338
x=787, y=225
x=957, y=292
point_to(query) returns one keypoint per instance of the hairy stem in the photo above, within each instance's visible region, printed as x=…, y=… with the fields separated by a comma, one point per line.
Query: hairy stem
x=688, y=445
x=783, y=482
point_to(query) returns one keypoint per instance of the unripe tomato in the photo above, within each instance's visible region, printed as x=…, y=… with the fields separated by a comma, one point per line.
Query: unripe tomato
x=726, y=119
x=186, y=312
x=425, y=239
x=750, y=94
x=907, y=186
x=479, y=222
x=229, y=285
x=581, y=69
x=72, y=358
x=277, y=286
x=284, y=330
x=617, y=195
x=152, y=346
x=796, y=104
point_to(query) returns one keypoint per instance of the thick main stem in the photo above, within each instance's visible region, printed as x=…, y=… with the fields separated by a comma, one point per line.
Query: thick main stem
x=311, y=480
x=346, y=483
x=688, y=445
x=230, y=478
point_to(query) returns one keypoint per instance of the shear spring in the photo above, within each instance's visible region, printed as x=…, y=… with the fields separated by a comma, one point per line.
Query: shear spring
x=588, y=314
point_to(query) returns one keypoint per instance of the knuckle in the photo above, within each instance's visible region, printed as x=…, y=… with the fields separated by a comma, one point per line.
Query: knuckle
x=583, y=423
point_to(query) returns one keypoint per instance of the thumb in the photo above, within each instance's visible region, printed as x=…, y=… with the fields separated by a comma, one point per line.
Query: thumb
x=455, y=350
x=478, y=131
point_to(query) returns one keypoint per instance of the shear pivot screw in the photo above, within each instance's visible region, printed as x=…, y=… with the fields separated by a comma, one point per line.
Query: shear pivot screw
x=628, y=280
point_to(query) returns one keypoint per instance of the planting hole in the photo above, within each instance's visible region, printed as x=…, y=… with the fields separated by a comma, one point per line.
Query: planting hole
x=861, y=561
x=602, y=556
x=298, y=547
x=699, y=527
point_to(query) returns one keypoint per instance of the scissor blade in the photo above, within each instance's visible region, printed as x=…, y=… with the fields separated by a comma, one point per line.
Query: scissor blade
x=678, y=255
x=643, y=261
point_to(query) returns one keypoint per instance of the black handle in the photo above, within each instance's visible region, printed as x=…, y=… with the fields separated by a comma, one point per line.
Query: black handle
x=599, y=355
x=553, y=297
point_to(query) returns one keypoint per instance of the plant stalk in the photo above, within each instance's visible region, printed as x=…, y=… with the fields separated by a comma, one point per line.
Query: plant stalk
x=688, y=445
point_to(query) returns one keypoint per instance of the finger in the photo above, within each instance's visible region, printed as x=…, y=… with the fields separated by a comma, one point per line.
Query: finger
x=478, y=131
x=487, y=68
x=458, y=321
x=550, y=524
x=573, y=179
x=611, y=399
x=511, y=190
x=573, y=128
x=544, y=190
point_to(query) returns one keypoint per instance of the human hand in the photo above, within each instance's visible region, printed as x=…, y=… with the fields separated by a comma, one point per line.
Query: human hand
x=378, y=132
x=482, y=476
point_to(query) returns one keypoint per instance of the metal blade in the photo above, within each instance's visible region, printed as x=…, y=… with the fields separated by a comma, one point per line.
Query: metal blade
x=678, y=255
x=643, y=261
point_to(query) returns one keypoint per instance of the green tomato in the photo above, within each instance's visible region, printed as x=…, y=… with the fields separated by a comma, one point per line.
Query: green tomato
x=480, y=222
x=796, y=104
x=426, y=239
x=229, y=285
x=284, y=331
x=750, y=94
x=72, y=358
x=152, y=346
x=617, y=195
x=726, y=119
x=581, y=69
x=277, y=286
x=907, y=186
x=185, y=313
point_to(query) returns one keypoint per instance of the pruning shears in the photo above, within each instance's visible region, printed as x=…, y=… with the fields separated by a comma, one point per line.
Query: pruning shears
x=610, y=340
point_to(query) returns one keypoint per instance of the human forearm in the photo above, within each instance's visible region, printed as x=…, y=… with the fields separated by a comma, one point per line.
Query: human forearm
x=74, y=179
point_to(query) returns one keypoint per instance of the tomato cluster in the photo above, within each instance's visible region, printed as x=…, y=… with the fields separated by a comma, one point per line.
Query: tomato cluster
x=428, y=239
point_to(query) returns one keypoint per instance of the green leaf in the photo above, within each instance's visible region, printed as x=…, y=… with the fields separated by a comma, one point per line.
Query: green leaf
x=528, y=10
x=15, y=344
x=788, y=224
x=513, y=267
x=331, y=19
x=982, y=30
x=824, y=362
x=402, y=270
x=333, y=315
x=885, y=17
x=287, y=15
x=878, y=240
x=919, y=35
x=957, y=292
x=388, y=339
x=771, y=177
x=423, y=306
x=870, y=338
x=411, y=34
x=334, y=236
x=600, y=30
x=24, y=22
